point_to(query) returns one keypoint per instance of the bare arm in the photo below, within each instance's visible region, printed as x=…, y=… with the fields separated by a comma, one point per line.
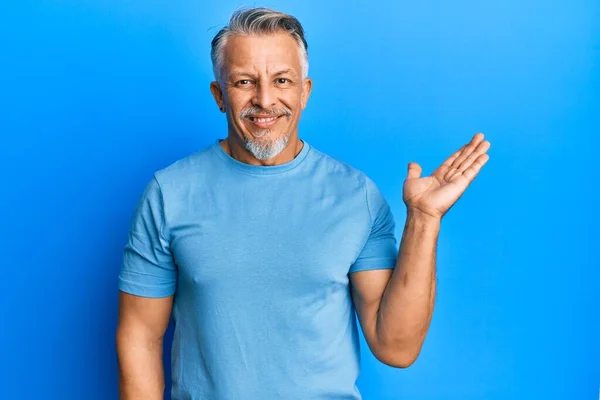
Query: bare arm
x=142, y=325
x=395, y=307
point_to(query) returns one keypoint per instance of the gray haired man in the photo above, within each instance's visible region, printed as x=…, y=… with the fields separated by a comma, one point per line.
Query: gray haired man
x=262, y=247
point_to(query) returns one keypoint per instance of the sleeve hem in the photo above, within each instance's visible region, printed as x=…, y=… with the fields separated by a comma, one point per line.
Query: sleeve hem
x=372, y=264
x=144, y=290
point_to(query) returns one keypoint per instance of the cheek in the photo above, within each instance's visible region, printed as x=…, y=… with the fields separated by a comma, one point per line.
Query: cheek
x=293, y=101
x=237, y=100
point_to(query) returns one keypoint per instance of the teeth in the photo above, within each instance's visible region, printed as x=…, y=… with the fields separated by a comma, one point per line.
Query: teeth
x=264, y=119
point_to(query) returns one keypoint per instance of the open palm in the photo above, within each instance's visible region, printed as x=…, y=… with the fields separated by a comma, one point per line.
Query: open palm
x=435, y=194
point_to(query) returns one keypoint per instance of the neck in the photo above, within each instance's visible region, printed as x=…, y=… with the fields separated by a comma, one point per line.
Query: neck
x=236, y=149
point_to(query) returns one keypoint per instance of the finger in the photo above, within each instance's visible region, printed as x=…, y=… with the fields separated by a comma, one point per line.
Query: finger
x=414, y=170
x=469, y=148
x=442, y=169
x=453, y=157
x=482, y=148
x=470, y=173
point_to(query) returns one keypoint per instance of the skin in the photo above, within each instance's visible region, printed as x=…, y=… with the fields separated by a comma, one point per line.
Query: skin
x=394, y=307
x=262, y=73
x=140, y=331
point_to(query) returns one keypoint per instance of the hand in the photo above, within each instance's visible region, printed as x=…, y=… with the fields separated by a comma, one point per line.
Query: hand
x=434, y=195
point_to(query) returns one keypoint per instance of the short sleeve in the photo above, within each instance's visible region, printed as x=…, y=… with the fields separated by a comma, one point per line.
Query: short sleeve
x=148, y=268
x=380, y=251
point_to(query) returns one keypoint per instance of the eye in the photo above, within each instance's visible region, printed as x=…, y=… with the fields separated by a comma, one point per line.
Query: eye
x=243, y=82
x=283, y=81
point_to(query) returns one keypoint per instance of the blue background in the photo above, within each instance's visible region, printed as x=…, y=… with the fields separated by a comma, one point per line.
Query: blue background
x=96, y=95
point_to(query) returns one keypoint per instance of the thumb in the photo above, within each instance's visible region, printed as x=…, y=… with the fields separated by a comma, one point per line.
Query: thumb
x=414, y=170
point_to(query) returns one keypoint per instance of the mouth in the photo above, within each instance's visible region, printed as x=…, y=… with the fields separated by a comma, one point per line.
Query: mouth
x=264, y=121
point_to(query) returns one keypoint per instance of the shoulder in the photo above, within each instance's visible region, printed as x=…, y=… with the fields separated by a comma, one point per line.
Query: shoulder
x=351, y=177
x=337, y=169
x=187, y=169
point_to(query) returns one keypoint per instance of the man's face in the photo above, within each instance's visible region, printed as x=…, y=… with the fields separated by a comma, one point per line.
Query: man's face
x=262, y=91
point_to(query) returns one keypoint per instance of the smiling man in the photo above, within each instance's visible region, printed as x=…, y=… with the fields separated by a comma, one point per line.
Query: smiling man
x=262, y=86
x=262, y=247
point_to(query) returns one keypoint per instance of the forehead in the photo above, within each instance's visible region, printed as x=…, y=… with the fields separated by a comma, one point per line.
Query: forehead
x=261, y=53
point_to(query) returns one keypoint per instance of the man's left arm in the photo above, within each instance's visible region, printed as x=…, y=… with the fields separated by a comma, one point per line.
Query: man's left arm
x=395, y=307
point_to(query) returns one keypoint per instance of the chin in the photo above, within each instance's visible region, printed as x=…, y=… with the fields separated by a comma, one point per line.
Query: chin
x=264, y=149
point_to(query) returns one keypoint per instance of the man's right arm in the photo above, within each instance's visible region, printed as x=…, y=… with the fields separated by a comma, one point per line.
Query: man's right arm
x=141, y=328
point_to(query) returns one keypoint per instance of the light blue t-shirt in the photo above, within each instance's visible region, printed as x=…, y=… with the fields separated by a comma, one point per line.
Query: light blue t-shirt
x=258, y=258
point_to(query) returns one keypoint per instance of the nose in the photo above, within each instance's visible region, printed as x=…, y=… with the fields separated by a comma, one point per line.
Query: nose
x=265, y=96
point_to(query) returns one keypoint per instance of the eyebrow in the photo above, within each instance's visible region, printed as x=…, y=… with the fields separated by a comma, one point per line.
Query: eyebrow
x=236, y=74
x=282, y=72
x=285, y=71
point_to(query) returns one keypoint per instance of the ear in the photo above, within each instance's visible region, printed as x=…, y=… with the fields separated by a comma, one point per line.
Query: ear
x=306, y=89
x=217, y=93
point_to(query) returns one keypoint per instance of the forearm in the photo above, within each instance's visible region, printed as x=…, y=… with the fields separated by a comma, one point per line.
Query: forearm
x=407, y=304
x=140, y=364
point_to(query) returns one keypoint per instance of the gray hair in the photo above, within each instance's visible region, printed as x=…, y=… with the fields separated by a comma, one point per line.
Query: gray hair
x=258, y=21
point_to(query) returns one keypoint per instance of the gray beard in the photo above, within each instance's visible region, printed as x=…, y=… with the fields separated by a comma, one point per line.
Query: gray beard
x=264, y=149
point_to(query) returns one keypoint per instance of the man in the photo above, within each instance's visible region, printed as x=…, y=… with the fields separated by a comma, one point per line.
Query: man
x=261, y=247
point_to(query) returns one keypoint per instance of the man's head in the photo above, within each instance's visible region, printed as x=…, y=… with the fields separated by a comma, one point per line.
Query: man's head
x=260, y=62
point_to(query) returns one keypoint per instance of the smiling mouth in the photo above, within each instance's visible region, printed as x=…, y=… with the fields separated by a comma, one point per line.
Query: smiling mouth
x=264, y=122
x=264, y=119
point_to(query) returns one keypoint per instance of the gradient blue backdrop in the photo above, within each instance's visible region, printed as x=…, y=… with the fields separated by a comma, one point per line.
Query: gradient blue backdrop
x=96, y=95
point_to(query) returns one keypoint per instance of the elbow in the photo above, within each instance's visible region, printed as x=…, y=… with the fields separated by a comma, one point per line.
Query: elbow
x=398, y=357
x=397, y=361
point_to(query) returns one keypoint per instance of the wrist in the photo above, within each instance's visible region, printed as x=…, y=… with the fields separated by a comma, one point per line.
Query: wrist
x=422, y=216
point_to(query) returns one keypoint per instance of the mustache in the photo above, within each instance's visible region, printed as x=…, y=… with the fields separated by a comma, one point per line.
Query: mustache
x=248, y=112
